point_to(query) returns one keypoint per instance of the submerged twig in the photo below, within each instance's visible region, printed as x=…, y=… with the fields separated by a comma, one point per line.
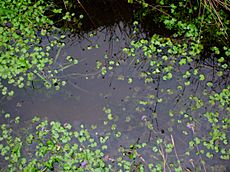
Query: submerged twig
x=81, y=74
x=79, y=88
x=57, y=55
x=86, y=12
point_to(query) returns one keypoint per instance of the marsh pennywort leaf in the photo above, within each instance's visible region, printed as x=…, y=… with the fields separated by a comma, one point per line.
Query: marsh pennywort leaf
x=201, y=77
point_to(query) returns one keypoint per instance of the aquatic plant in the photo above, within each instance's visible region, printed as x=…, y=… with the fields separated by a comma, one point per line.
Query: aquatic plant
x=25, y=56
x=46, y=146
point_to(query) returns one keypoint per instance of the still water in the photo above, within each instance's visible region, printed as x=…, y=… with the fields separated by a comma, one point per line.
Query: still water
x=87, y=93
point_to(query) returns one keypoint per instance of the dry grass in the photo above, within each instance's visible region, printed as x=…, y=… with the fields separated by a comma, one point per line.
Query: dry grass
x=214, y=6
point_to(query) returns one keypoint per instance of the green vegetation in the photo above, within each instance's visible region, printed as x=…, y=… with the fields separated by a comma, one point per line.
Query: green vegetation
x=50, y=145
x=24, y=57
x=28, y=35
x=203, y=20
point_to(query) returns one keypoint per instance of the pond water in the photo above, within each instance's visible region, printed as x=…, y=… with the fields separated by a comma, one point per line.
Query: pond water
x=87, y=93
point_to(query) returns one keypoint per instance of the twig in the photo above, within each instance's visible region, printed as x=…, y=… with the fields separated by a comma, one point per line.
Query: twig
x=79, y=88
x=57, y=55
x=86, y=12
x=174, y=147
x=164, y=158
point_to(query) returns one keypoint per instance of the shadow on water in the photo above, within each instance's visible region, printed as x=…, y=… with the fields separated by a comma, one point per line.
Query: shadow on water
x=99, y=13
x=87, y=91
